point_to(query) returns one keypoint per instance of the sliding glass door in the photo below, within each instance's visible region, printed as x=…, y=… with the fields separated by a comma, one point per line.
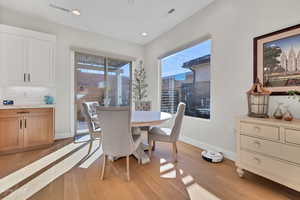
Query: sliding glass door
x=100, y=79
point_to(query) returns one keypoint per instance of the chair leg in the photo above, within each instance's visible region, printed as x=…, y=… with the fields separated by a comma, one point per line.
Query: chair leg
x=127, y=166
x=100, y=142
x=90, y=147
x=149, y=146
x=175, y=151
x=103, y=166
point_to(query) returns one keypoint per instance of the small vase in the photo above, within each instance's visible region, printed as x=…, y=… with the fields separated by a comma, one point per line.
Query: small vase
x=278, y=114
x=287, y=116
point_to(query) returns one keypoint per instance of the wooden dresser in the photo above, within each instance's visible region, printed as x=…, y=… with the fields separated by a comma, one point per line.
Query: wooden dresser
x=269, y=148
x=26, y=129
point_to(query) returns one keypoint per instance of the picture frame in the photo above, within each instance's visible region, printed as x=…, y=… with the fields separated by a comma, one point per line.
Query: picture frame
x=276, y=60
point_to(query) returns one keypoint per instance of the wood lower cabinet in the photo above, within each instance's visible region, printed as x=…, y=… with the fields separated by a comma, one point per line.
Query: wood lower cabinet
x=11, y=134
x=38, y=128
x=23, y=129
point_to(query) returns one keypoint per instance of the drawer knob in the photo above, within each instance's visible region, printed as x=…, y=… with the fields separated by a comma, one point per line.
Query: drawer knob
x=257, y=160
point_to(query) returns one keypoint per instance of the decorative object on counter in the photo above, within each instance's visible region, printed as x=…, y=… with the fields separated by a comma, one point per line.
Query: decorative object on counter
x=8, y=102
x=48, y=99
x=258, y=101
x=143, y=106
x=278, y=114
x=294, y=94
x=276, y=58
x=140, y=88
x=287, y=116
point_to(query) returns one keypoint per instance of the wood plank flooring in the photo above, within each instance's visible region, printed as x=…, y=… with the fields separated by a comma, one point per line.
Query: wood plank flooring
x=190, y=178
x=12, y=162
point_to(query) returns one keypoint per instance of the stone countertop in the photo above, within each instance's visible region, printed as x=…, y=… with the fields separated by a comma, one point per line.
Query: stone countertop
x=3, y=107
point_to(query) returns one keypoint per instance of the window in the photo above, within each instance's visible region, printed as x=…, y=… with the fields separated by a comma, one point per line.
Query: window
x=186, y=78
x=100, y=79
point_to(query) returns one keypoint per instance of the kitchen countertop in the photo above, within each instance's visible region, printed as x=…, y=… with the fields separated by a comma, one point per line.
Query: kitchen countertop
x=2, y=107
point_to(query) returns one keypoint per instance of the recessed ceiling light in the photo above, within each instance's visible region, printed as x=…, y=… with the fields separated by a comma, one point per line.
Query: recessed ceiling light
x=144, y=34
x=76, y=12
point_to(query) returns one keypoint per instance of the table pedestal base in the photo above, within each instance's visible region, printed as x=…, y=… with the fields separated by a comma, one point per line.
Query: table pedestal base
x=140, y=154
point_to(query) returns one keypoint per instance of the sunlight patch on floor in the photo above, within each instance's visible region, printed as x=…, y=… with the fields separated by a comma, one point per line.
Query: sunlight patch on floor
x=96, y=153
x=187, y=179
x=167, y=170
x=196, y=192
x=169, y=174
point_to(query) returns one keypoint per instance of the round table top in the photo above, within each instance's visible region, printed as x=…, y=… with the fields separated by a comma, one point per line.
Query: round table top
x=148, y=118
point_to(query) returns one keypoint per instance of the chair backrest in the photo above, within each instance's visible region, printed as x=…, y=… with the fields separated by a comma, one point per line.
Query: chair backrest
x=89, y=112
x=178, y=122
x=116, y=130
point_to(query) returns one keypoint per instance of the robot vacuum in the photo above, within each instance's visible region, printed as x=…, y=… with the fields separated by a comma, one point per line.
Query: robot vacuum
x=212, y=156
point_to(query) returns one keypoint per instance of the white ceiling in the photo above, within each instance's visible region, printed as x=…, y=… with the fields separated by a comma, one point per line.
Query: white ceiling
x=115, y=18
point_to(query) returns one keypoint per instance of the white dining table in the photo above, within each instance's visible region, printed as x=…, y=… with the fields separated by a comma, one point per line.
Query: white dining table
x=147, y=119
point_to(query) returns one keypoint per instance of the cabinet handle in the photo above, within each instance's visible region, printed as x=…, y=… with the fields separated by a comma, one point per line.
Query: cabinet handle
x=29, y=79
x=22, y=112
x=24, y=77
x=21, y=124
x=25, y=123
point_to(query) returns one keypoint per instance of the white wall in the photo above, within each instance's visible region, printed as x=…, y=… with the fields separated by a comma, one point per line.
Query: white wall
x=67, y=37
x=232, y=25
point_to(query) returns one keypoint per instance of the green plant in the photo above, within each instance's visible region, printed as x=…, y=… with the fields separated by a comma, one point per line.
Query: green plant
x=139, y=84
x=294, y=94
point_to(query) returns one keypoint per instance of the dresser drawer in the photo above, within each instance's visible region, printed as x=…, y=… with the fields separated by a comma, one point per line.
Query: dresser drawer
x=272, y=168
x=278, y=150
x=292, y=136
x=259, y=130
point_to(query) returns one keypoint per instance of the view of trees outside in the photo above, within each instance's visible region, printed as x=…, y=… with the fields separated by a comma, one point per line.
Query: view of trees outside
x=186, y=78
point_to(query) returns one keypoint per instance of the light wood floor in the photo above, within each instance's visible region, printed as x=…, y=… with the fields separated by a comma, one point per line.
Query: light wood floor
x=12, y=162
x=191, y=178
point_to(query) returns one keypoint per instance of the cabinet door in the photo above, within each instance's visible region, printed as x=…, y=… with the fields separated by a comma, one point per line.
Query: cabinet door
x=40, y=62
x=38, y=128
x=14, y=58
x=11, y=133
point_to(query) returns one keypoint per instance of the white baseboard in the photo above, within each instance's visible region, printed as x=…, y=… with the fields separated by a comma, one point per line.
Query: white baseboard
x=61, y=135
x=227, y=154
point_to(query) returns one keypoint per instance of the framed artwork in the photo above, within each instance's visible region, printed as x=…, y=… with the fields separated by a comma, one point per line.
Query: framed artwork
x=277, y=60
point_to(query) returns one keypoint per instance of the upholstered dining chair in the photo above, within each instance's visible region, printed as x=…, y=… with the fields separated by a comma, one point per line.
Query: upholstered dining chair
x=89, y=112
x=166, y=134
x=118, y=140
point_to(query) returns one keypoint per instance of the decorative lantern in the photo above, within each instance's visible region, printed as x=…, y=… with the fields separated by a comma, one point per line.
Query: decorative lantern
x=258, y=101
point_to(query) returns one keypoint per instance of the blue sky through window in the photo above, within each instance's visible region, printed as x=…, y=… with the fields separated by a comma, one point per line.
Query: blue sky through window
x=172, y=65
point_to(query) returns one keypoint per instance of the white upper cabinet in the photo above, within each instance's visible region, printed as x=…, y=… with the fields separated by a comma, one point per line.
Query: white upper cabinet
x=13, y=59
x=27, y=57
x=40, y=62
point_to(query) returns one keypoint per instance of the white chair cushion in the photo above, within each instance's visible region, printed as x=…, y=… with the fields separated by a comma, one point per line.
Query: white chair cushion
x=160, y=134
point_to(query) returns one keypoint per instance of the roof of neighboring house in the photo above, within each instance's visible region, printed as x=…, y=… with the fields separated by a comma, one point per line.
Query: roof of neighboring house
x=197, y=61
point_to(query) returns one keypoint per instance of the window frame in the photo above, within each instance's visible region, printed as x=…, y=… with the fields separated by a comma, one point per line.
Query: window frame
x=176, y=50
